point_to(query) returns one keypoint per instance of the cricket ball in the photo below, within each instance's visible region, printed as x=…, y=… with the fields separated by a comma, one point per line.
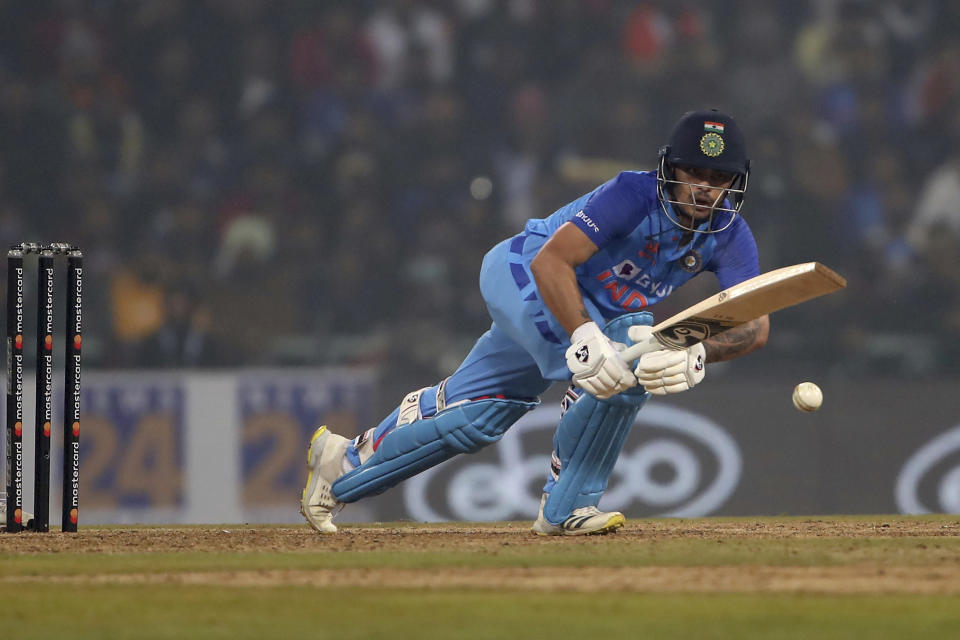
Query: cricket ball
x=807, y=397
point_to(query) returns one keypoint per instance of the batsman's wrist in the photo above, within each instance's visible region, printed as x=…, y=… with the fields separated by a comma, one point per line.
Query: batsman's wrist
x=583, y=332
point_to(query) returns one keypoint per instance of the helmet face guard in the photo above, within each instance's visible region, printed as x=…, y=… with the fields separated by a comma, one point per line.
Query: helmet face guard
x=706, y=140
x=728, y=202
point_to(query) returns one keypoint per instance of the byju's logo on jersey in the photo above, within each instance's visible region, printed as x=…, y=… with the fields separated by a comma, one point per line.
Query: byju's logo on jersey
x=627, y=270
x=587, y=219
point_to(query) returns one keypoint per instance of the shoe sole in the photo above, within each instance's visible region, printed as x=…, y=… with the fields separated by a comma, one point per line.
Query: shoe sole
x=308, y=488
x=610, y=526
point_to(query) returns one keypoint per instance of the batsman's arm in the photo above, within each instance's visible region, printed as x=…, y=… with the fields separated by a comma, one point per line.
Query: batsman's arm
x=553, y=269
x=738, y=341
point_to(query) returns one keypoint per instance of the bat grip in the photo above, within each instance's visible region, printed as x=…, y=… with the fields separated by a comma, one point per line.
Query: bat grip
x=637, y=349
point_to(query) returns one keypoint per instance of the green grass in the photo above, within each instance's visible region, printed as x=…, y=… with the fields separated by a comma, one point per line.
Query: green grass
x=105, y=612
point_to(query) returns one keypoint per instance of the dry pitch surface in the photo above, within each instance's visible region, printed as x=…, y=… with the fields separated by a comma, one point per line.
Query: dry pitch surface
x=882, y=555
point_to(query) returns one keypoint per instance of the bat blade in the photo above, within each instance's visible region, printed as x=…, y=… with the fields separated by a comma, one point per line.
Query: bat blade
x=741, y=303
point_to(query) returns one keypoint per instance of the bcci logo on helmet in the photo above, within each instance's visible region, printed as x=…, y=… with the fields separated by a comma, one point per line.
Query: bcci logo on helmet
x=711, y=144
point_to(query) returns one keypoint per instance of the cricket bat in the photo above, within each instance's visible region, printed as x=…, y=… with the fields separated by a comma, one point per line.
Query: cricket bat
x=741, y=303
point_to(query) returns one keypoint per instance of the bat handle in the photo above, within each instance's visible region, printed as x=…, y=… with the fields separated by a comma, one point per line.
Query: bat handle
x=637, y=349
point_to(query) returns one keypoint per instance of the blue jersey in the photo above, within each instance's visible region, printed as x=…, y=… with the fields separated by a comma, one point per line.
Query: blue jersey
x=640, y=260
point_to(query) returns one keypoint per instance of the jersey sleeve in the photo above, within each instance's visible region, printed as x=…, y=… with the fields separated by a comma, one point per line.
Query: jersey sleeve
x=613, y=209
x=736, y=258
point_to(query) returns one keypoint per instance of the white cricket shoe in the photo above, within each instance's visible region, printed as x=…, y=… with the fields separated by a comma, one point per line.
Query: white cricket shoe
x=583, y=522
x=325, y=462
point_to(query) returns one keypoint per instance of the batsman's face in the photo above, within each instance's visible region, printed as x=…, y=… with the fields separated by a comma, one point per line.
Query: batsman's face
x=704, y=189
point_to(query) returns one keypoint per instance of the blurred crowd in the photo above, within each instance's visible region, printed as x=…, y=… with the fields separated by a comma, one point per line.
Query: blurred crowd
x=313, y=182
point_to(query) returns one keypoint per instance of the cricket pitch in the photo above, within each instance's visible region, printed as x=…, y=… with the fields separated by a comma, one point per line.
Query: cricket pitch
x=820, y=576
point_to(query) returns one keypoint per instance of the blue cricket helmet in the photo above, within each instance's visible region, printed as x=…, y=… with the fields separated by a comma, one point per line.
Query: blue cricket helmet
x=706, y=139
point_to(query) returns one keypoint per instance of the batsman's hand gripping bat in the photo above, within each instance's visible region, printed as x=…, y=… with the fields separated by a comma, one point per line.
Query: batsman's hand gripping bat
x=739, y=304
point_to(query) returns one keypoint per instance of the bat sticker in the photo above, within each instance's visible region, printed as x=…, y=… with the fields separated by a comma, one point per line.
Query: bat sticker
x=684, y=334
x=687, y=333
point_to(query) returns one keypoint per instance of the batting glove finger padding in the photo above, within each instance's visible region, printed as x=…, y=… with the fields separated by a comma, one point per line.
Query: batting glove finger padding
x=596, y=364
x=668, y=371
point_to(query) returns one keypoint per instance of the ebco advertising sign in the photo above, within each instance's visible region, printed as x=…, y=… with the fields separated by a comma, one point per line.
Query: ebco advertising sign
x=675, y=463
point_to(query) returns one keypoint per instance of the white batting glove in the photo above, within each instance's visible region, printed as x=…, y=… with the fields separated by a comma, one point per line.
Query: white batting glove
x=671, y=371
x=596, y=364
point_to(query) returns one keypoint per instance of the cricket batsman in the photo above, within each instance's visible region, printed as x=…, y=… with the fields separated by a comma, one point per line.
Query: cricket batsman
x=566, y=295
